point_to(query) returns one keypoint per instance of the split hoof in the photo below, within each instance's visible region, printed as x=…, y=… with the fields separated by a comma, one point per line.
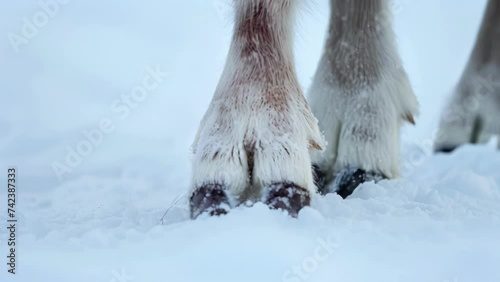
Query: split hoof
x=349, y=179
x=210, y=199
x=288, y=197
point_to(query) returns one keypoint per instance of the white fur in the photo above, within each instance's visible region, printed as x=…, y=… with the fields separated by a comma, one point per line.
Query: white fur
x=361, y=121
x=477, y=95
x=240, y=121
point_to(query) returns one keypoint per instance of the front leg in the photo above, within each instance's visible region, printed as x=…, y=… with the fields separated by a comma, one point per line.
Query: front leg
x=254, y=140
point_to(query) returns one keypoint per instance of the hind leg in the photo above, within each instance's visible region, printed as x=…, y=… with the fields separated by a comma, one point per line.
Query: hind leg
x=473, y=114
x=361, y=96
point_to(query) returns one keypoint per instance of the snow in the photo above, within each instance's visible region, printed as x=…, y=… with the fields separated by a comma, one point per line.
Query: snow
x=101, y=221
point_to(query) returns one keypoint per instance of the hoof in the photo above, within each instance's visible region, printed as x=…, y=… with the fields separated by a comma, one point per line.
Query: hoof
x=349, y=179
x=288, y=197
x=319, y=179
x=445, y=150
x=210, y=199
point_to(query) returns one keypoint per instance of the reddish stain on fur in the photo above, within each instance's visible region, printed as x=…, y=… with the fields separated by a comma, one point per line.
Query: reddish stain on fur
x=260, y=34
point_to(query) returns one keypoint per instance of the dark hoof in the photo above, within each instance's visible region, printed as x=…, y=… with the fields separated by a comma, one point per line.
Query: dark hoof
x=210, y=199
x=288, y=197
x=319, y=179
x=445, y=150
x=349, y=179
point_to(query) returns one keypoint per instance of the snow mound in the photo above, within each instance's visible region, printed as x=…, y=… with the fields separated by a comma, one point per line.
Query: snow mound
x=439, y=223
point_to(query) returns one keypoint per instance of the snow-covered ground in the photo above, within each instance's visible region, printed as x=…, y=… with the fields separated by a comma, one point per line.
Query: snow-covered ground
x=66, y=85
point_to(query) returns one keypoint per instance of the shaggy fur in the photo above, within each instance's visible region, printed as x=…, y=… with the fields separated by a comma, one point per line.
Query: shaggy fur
x=473, y=114
x=254, y=140
x=361, y=93
x=258, y=128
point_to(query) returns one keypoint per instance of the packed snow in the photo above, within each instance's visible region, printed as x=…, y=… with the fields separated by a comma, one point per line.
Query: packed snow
x=118, y=212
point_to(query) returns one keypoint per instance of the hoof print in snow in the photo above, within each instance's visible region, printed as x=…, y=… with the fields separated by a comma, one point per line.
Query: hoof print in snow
x=320, y=179
x=349, y=179
x=210, y=199
x=288, y=197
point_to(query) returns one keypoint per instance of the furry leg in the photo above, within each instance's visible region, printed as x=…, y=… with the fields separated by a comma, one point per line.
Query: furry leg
x=258, y=129
x=360, y=93
x=473, y=114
